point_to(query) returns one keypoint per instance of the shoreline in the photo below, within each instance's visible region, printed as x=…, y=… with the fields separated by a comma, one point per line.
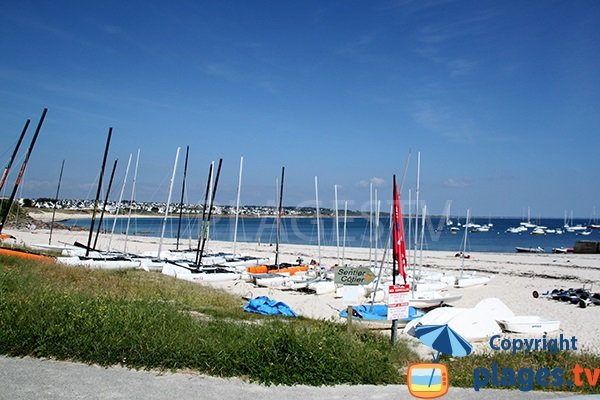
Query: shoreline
x=514, y=277
x=46, y=215
x=301, y=230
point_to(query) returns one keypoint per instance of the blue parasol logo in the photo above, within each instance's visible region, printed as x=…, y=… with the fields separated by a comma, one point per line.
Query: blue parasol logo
x=443, y=339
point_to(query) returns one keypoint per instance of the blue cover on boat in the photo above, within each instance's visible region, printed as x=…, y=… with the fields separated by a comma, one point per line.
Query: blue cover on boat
x=378, y=312
x=266, y=306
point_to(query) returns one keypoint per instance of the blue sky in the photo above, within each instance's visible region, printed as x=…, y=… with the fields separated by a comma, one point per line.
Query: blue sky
x=500, y=98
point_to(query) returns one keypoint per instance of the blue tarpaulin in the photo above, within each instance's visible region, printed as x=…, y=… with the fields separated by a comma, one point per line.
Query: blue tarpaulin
x=266, y=306
x=378, y=312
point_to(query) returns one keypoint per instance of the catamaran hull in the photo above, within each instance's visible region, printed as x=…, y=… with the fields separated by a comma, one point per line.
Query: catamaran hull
x=99, y=263
x=198, y=276
x=471, y=281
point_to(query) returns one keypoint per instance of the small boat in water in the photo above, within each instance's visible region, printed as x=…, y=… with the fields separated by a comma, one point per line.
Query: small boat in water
x=562, y=250
x=530, y=249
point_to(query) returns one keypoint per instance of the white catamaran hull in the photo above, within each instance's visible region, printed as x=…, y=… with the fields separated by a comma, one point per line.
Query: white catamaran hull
x=201, y=275
x=99, y=263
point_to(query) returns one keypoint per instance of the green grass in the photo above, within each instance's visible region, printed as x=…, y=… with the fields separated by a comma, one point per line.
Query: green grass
x=150, y=321
x=144, y=320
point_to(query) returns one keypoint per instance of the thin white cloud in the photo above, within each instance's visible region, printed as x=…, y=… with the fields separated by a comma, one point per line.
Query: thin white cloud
x=361, y=50
x=112, y=29
x=356, y=46
x=375, y=181
x=233, y=75
x=459, y=67
x=445, y=122
x=457, y=183
x=222, y=71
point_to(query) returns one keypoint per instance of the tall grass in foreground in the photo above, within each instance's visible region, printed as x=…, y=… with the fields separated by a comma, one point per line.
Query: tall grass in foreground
x=144, y=320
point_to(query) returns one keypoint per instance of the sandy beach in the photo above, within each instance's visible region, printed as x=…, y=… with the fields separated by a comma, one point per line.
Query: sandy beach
x=515, y=277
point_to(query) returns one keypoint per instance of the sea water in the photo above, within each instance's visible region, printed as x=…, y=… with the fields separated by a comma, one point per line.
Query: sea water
x=359, y=232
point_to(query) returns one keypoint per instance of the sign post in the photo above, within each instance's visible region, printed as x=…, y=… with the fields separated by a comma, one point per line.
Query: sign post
x=398, y=301
x=351, y=278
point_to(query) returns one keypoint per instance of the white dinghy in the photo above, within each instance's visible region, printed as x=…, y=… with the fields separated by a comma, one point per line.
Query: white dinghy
x=470, y=278
x=474, y=324
x=529, y=324
x=432, y=299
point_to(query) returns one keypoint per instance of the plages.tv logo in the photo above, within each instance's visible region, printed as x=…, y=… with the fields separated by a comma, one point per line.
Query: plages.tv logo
x=430, y=380
x=427, y=380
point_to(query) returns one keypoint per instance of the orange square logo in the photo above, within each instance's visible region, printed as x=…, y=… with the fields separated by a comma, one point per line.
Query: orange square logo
x=427, y=380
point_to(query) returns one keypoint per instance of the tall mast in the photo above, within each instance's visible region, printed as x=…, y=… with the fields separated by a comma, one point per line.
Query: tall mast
x=375, y=253
x=422, y=239
x=417, y=209
x=279, y=213
x=409, y=235
x=112, y=231
x=89, y=243
x=448, y=220
x=370, y=224
x=205, y=229
x=14, y=154
x=185, y=165
x=344, y=234
x=318, y=219
x=337, y=225
x=212, y=203
x=394, y=255
x=237, y=204
x=201, y=223
x=137, y=161
x=464, y=251
x=395, y=259
x=110, y=181
x=164, y=224
x=6, y=211
x=62, y=167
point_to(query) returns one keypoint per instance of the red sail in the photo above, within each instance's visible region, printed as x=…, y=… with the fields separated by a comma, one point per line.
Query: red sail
x=398, y=232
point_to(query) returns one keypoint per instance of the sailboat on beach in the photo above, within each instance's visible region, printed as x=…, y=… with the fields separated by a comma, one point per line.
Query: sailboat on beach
x=421, y=296
x=275, y=274
x=469, y=278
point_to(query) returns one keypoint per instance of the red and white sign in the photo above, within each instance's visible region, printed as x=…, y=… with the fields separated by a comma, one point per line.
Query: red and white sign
x=398, y=301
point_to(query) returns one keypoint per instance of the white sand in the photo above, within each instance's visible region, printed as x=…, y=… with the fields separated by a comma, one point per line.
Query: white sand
x=515, y=276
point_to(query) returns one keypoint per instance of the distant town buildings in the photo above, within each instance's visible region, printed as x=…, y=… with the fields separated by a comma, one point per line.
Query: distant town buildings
x=159, y=208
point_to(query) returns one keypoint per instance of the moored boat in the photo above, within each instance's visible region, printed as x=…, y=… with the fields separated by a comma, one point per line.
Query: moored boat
x=562, y=250
x=530, y=249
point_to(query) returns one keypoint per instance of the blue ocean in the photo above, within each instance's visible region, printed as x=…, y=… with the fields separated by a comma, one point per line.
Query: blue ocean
x=427, y=377
x=303, y=230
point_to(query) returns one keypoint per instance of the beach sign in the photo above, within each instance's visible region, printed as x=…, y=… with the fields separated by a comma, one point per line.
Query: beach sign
x=398, y=296
x=353, y=276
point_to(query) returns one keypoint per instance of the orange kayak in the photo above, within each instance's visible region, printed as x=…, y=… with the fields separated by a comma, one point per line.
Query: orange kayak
x=25, y=255
x=263, y=269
